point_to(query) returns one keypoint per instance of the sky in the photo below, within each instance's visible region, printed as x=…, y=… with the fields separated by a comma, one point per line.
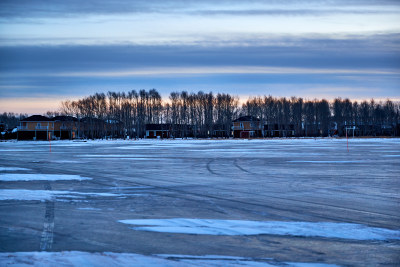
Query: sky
x=54, y=50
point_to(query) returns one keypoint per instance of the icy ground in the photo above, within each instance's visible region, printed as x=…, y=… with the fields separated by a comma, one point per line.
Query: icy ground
x=292, y=202
x=107, y=259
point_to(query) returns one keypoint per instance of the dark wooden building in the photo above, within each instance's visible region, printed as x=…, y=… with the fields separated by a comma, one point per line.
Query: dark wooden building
x=158, y=130
x=36, y=127
x=279, y=130
x=247, y=127
x=65, y=127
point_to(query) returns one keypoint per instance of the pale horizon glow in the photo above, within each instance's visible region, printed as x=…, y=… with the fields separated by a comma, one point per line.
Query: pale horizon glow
x=39, y=106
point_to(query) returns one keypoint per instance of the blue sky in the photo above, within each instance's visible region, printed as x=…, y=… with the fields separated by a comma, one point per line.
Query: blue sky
x=57, y=50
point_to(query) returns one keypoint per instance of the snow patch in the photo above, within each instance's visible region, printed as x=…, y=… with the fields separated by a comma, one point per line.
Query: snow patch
x=240, y=227
x=122, y=157
x=70, y=144
x=65, y=161
x=328, y=161
x=135, y=147
x=39, y=177
x=131, y=187
x=141, y=158
x=43, y=195
x=102, y=156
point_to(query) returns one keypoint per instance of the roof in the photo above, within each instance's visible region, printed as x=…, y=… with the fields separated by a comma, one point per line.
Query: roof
x=246, y=118
x=158, y=127
x=64, y=118
x=37, y=118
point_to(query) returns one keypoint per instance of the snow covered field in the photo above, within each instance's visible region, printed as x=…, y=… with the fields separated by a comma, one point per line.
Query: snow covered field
x=292, y=202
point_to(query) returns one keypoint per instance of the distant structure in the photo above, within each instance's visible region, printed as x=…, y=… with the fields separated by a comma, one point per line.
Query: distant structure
x=65, y=127
x=158, y=130
x=279, y=130
x=247, y=127
x=38, y=127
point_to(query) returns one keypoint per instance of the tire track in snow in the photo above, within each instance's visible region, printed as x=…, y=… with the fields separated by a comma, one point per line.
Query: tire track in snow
x=107, y=182
x=286, y=199
x=209, y=167
x=235, y=162
x=46, y=241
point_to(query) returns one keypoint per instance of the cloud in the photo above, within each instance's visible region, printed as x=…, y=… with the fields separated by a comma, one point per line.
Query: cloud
x=179, y=71
x=57, y=8
x=70, y=48
x=374, y=52
x=282, y=84
x=294, y=12
x=297, y=64
x=187, y=22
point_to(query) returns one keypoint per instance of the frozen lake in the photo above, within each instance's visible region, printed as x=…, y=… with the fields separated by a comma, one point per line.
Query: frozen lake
x=201, y=202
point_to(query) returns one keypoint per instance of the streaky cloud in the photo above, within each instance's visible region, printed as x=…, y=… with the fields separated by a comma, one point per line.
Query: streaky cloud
x=349, y=52
x=220, y=70
x=293, y=12
x=59, y=8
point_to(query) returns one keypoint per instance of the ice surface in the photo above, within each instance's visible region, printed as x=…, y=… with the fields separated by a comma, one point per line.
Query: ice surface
x=66, y=161
x=39, y=177
x=240, y=227
x=42, y=195
x=88, y=208
x=122, y=157
x=22, y=194
x=328, y=161
x=135, y=147
x=217, y=179
x=106, y=259
x=2, y=169
x=72, y=144
x=21, y=150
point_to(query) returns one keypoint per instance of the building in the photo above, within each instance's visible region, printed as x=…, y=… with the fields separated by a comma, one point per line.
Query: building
x=279, y=130
x=92, y=128
x=65, y=127
x=247, y=127
x=36, y=127
x=221, y=130
x=158, y=130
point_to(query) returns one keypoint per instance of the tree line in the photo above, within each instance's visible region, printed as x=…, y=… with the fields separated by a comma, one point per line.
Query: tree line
x=204, y=114
x=11, y=119
x=121, y=114
x=322, y=118
x=128, y=113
